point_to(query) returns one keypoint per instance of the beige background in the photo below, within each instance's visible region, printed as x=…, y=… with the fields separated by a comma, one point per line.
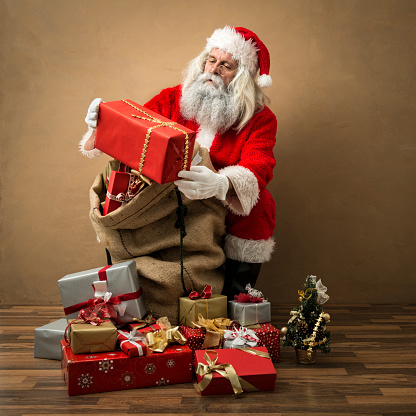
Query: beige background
x=343, y=93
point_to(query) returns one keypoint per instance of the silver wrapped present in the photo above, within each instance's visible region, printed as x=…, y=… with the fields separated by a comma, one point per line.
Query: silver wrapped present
x=120, y=289
x=249, y=313
x=48, y=339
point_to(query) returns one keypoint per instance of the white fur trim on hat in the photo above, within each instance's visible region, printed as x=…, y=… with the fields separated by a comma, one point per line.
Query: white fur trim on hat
x=245, y=186
x=264, y=81
x=250, y=251
x=228, y=40
x=89, y=135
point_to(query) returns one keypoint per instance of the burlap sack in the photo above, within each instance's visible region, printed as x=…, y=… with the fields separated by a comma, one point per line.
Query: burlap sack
x=144, y=230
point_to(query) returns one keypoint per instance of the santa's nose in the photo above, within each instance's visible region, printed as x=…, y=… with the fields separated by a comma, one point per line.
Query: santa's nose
x=214, y=69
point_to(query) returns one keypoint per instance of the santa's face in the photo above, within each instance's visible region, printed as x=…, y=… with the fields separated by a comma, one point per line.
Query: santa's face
x=209, y=102
x=221, y=63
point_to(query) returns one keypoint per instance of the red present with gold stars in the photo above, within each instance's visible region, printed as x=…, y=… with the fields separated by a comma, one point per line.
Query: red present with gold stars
x=111, y=371
x=269, y=337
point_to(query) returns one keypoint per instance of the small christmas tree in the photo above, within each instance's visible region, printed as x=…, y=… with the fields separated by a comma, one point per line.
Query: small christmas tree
x=306, y=330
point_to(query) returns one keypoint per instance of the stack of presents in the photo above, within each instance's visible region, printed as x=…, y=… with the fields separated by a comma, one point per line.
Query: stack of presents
x=107, y=340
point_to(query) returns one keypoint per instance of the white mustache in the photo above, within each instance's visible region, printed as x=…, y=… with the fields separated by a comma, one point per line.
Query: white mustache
x=216, y=79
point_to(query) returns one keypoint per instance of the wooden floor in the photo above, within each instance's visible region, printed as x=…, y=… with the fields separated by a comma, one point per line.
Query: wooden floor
x=371, y=370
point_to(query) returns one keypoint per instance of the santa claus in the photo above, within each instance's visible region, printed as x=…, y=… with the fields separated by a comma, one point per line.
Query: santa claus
x=221, y=98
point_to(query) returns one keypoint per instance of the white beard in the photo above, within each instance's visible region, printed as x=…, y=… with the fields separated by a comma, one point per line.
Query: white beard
x=211, y=106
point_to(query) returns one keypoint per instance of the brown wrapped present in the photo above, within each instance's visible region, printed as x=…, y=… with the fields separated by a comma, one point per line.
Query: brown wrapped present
x=87, y=338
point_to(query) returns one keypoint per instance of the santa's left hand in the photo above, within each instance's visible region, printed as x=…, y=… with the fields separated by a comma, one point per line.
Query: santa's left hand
x=201, y=183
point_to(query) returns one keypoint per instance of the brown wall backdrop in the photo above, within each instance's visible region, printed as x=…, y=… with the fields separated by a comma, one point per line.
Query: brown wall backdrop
x=343, y=92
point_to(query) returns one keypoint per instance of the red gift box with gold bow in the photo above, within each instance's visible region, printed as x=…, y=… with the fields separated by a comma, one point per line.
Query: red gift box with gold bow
x=145, y=141
x=234, y=371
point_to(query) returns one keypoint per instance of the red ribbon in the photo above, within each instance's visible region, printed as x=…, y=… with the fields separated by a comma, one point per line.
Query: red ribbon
x=206, y=293
x=115, y=300
x=84, y=318
x=102, y=275
x=246, y=298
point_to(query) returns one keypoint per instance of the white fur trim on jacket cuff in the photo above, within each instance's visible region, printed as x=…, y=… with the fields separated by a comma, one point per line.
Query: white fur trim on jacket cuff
x=245, y=186
x=249, y=251
x=89, y=135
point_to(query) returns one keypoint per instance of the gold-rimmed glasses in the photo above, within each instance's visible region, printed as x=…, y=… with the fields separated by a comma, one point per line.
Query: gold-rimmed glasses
x=222, y=69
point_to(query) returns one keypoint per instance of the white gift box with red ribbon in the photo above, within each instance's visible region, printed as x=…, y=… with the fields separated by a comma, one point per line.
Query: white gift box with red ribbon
x=117, y=285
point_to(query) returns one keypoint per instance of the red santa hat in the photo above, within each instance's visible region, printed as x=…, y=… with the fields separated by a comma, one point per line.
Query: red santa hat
x=246, y=48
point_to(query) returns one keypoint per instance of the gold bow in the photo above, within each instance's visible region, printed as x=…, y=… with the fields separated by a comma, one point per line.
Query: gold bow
x=214, y=328
x=148, y=321
x=215, y=325
x=226, y=370
x=160, y=339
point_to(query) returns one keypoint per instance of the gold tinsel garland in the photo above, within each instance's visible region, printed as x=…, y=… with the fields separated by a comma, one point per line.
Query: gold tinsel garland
x=311, y=340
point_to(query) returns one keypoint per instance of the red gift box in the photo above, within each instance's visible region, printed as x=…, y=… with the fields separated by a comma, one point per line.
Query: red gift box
x=257, y=371
x=111, y=371
x=194, y=337
x=131, y=346
x=144, y=140
x=270, y=338
x=142, y=329
x=122, y=187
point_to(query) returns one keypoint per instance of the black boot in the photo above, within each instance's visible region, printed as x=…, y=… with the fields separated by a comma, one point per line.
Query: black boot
x=237, y=275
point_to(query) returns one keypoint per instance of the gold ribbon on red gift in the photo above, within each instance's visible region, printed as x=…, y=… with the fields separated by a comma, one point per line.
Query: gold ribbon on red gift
x=226, y=370
x=133, y=188
x=160, y=123
x=149, y=321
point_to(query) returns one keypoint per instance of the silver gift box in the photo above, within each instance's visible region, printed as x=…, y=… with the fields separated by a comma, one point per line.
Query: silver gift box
x=249, y=313
x=122, y=279
x=48, y=339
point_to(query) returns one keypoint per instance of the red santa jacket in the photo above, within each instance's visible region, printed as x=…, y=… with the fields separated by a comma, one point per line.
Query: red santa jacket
x=247, y=159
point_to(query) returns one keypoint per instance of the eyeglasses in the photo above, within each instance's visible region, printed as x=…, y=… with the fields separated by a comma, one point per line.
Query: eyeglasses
x=221, y=69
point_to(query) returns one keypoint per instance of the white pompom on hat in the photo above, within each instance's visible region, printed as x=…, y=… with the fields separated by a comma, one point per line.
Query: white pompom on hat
x=246, y=48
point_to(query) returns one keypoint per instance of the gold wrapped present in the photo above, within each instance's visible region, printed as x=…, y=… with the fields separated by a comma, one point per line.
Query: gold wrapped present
x=87, y=338
x=214, y=307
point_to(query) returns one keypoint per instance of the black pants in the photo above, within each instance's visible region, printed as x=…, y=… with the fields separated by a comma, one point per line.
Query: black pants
x=237, y=275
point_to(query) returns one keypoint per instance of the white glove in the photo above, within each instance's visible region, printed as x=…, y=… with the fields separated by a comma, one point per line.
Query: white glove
x=92, y=114
x=203, y=183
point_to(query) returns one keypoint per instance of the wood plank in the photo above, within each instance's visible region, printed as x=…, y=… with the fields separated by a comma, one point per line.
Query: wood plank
x=370, y=371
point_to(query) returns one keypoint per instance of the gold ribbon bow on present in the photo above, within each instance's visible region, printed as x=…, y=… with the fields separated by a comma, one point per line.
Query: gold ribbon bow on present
x=215, y=325
x=214, y=328
x=148, y=321
x=226, y=370
x=161, y=338
x=160, y=123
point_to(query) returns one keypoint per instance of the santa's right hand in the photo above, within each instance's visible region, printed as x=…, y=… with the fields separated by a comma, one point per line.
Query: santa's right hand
x=92, y=114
